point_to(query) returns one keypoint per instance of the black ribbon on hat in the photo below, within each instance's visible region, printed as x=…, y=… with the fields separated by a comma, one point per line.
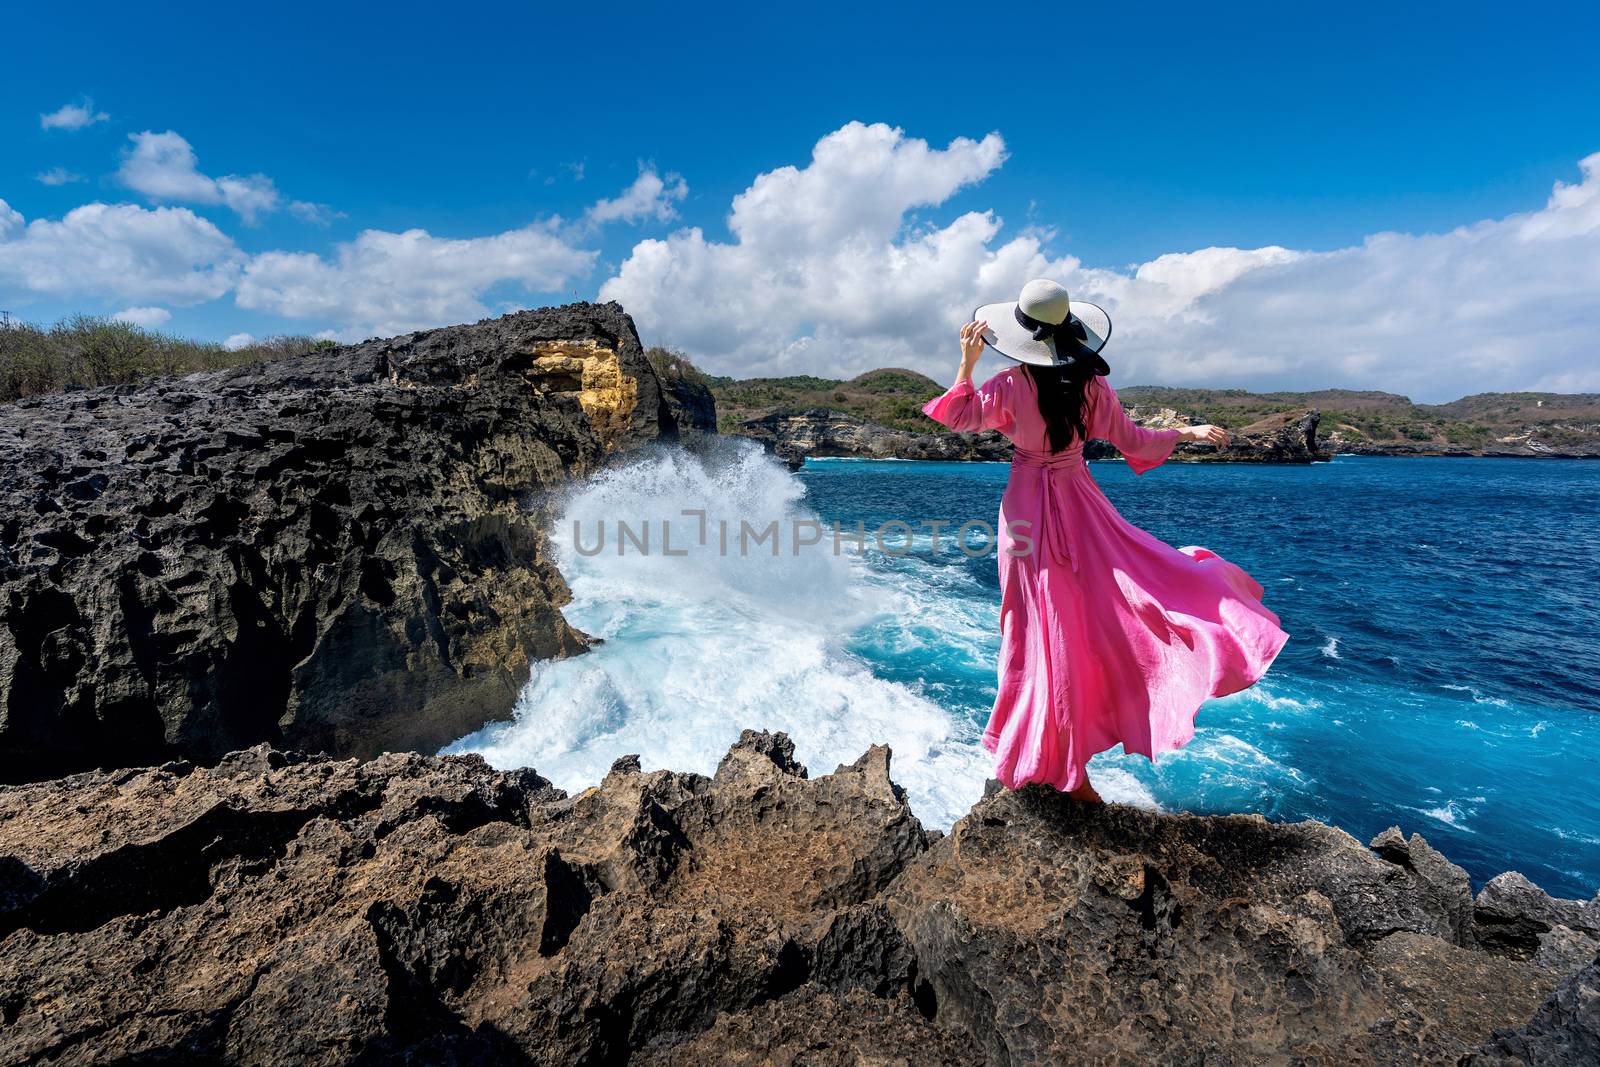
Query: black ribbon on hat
x=1047, y=331
x=1070, y=336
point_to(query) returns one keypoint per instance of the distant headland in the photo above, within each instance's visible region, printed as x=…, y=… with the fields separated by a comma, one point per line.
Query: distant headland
x=879, y=414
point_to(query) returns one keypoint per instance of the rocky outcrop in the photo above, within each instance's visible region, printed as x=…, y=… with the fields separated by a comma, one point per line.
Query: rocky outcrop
x=338, y=552
x=1564, y=1032
x=1290, y=437
x=284, y=909
x=690, y=403
x=1556, y=441
x=822, y=432
x=1046, y=928
x=1514, y=916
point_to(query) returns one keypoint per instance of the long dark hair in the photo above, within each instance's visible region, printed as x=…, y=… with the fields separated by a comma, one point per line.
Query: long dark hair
x=1063, y=400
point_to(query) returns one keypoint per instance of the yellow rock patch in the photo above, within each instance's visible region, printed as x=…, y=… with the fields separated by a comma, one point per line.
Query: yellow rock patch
x=593, y=371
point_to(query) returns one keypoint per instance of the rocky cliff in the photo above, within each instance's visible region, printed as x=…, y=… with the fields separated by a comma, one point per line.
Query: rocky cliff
x=284, y=909
x=1577, y=442
x=339, y=552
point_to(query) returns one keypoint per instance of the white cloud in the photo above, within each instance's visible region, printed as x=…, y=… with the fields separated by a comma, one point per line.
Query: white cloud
x=57, y=176
x=379, y=283
x=649, y=197
x=239, y=340
x=163, y=166
x=117, y=252
x=1502, y=304
x=72, y=116
x=250, y=196
x=148, y=317
x=844, y=264
x=10, y=221
x=316, y=214
x=384, y=283
x=827, y=272
x=819, y=275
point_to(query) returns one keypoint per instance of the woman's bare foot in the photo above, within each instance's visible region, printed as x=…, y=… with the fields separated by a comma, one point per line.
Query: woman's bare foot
x=1086, y=793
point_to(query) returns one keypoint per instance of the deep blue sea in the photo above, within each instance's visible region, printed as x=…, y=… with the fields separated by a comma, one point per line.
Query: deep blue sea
x=1443, y=670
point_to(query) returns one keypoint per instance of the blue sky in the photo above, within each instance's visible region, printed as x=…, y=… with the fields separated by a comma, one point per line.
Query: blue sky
x=1124, y=136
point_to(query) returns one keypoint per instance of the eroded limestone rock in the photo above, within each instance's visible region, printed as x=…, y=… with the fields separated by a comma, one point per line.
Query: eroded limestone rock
x=279, y=908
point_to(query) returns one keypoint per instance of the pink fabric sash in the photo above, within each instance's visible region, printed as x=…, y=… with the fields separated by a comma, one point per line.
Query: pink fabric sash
x=1058, y=537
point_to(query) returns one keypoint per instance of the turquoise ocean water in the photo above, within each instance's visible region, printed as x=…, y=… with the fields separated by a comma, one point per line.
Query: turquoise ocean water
x=1443, y=671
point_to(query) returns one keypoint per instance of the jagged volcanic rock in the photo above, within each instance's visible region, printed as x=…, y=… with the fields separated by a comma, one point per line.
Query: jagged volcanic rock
x=1565, y=1032
x=689, y=402
x=1053, y=932
x=287, y=909
x=336, y=552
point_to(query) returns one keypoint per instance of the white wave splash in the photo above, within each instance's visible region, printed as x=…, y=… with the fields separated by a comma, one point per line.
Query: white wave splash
x=1478, y=697
x=1453, y=813
x=698, y=646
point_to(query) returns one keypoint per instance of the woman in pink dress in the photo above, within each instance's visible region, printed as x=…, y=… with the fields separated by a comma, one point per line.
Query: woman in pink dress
x=1107, y=635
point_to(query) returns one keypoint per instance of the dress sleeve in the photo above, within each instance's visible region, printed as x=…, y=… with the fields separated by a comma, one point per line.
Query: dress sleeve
x=1142, y=448
x=968, y=409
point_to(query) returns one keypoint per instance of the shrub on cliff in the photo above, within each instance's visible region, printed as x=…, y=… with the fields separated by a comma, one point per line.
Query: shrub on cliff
x=674, y=366
x=85, y=350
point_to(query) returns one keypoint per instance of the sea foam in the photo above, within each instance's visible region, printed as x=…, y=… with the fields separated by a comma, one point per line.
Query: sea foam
x=699, y=646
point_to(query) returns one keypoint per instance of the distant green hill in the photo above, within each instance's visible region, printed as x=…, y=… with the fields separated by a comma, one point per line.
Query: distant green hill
x=1378, y=417
x=890, y=397
x=894, y=397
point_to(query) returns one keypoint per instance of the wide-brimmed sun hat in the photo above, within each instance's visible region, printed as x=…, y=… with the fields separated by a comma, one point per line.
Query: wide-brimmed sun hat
x=1043, y=327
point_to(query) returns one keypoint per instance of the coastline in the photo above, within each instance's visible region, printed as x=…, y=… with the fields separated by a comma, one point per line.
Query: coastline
x=1221, y=460
x=878, y=413
x=1289, y=439
x=376, y=554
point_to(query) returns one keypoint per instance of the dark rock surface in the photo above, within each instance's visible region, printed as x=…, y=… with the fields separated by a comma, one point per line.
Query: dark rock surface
x=1514, y=916
x=1058, y=933
x=690, y=404
x=337, y=552
x=288, y=909
x=1565, y=1032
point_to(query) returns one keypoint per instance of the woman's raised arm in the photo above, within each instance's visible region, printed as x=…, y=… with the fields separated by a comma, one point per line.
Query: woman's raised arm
x=968, y=409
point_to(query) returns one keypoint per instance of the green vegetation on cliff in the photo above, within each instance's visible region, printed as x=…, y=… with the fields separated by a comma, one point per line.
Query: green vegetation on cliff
x=87, y=351
x=889, y=397
x=1379, y=418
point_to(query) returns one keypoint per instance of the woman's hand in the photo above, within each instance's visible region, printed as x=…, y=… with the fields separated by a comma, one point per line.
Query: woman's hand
x=1205, y=435
x=972, y=343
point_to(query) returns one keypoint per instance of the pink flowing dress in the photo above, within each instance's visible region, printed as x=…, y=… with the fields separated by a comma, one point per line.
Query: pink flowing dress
x=1107, y=634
